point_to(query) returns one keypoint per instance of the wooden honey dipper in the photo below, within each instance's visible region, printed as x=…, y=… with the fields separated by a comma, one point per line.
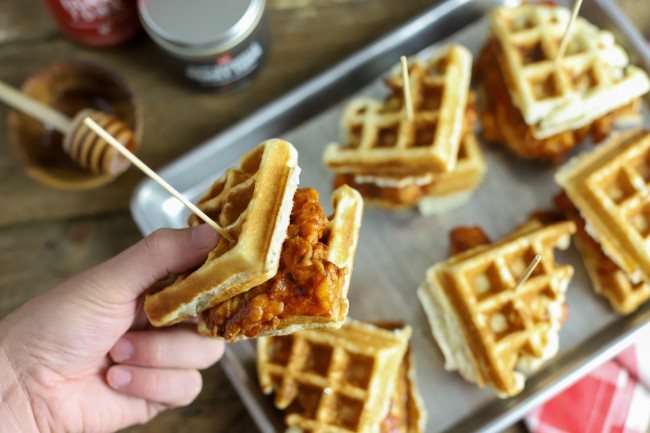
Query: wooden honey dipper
x=98, y=142
x=86, y=148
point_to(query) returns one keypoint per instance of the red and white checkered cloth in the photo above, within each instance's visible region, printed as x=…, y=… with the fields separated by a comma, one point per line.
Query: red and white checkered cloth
x=614, y=398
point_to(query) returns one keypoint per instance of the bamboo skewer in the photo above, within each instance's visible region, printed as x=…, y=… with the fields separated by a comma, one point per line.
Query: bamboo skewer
x=87, y=152
x=76, y=145
x=567, y=32
x=529, y=271
x=408, y=102
x=90, y=123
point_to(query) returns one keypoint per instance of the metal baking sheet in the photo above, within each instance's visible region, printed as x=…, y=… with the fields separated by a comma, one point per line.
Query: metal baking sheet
x=395, y=249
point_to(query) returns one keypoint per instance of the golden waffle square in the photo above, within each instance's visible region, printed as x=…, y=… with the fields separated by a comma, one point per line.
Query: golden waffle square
x=433, y=193
x=608, y=279
x=311, y=285
x=406, y=413
x=252, y=203
x=610, y=186
x=503, y=122
x=333, y=380
x=595, y=76
x=489, y=329
x=380, y=140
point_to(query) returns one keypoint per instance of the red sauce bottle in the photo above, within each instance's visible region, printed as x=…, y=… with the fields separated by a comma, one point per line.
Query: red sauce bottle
x=96, y=23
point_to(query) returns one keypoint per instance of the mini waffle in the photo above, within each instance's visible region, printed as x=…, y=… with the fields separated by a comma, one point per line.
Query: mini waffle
x=431, y=192
x=406, y=413
x=611, y=188
x=608, y=279
x=380, y=140
x=524, y=48
x=333, y=380
x=594, y=78
x=488, y=329
x=252, y=203
x=311, y=285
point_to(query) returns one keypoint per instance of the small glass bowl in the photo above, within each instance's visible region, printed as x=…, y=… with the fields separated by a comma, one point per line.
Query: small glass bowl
x=69, y=87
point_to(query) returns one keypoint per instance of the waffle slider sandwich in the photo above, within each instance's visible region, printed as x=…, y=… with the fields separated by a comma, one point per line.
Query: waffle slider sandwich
x=491, y=327
x=541, y=109
x=607, y=194
x=287, y=267
x=356, y=379
x=432, y=160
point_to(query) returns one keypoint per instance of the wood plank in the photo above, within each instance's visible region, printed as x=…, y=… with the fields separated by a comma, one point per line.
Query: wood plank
x=25, y=21
x=177, y=118
x=218, y=409
x=36, y=257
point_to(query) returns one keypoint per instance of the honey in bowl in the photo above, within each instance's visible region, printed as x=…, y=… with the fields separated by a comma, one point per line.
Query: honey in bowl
x=68, y=87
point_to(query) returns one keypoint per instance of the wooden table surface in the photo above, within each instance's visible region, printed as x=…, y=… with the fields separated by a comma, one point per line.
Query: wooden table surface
x=48, y=235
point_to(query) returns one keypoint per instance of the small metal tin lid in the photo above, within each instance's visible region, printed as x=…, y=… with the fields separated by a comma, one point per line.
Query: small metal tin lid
x=200, y=28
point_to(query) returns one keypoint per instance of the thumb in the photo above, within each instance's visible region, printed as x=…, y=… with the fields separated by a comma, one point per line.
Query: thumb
x=124, y=277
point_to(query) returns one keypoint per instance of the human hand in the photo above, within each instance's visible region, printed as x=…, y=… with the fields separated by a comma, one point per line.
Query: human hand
x=81, y=358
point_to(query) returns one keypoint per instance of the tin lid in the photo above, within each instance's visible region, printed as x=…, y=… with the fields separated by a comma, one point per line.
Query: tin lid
x=198, y=28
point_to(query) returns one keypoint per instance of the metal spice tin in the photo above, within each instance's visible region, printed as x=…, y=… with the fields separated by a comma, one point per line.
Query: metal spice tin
x=216, y=43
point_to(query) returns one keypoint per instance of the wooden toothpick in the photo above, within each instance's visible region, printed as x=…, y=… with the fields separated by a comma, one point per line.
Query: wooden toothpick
x=528, y=272
x=90, y=123
x=567, y=31
x=408, y=102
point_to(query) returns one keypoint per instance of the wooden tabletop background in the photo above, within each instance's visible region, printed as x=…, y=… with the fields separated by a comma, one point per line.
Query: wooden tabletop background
x=48, y=235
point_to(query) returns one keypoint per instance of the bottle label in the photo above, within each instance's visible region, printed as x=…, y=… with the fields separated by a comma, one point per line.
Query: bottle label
x=87, y=13
x=228, y=68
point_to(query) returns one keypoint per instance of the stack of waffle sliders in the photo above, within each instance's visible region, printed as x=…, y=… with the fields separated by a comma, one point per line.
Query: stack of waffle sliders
x=356, y=379
x=491, y=327
x=607, y=194
x=540, y=108
x=432, y=160
x=288, y=266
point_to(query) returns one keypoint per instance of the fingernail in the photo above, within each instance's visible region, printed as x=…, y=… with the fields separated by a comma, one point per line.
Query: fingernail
x=119, y=377
x=204, y=237
x=122, y=351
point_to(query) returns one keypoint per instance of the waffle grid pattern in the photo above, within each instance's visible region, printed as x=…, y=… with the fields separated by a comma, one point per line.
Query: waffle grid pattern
x=530, y=37
x=619, y=190
x=623, y=185
x=610, y=187
x=329, y=383
x=227, y=200
x=518, y=325
x=379, y=133
x=252, y=204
